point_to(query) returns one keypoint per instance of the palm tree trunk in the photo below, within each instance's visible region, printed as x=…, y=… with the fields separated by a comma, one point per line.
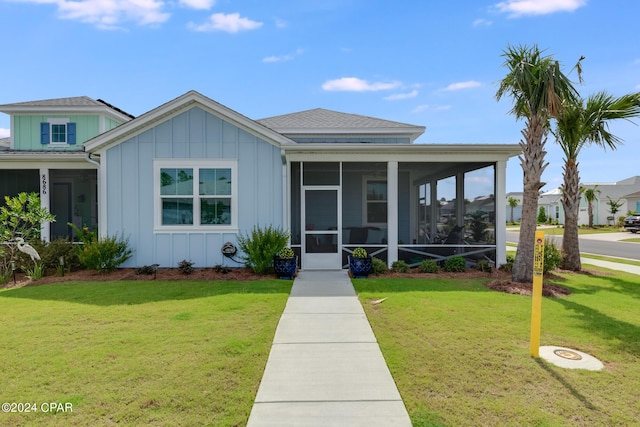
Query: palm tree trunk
x=590, y=215
x=532, y=162
x=571, y=205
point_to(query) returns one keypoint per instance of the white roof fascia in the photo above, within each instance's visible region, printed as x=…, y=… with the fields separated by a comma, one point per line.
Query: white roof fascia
x=172, y=109
x=405, y=153
x=57, y=160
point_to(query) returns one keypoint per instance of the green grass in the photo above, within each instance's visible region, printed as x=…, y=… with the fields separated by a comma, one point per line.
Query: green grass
x=632, y=240
x=459, y=352
x=138, y=352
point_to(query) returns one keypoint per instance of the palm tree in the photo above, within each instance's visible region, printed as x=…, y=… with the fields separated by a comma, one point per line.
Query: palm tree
x=513, y=202
x=591, y=195
x=538, y=87
x=580, y=124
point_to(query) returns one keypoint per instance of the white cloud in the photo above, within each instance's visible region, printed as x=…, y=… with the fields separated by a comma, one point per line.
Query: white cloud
x=482, y=23
x=198, y=4
x=283, y=58
x=354, y=84
x=516, y=8
x=4, y=133
x=108, y=14
x=462, y=85
x=398, y=96
x=229, y=23
x=427, y=107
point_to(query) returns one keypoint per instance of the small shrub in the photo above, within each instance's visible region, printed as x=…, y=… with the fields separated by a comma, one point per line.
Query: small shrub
x=222, y=269
x=455, y=264
x=359, y=253
x=428, y=266
x=105, y=254
x=260, y=246
x=286, y=253
x=84, y=234
x=51, y=252
x=36, y=272
x=400, y=267
x=542, y=215
x=552, y=257
x=185, y=267
x=483, y=265
x=146, y=270
x=508, y=266
x=5, y=276
x=378, y=266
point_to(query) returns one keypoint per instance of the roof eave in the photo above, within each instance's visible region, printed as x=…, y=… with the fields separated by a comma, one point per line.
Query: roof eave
x=61, y=109
x=502, y=150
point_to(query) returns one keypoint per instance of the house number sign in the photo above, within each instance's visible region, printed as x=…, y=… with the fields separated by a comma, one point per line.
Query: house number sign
x=44, y=184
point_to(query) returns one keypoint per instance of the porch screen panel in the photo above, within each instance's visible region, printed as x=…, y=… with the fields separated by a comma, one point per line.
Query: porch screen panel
x=321, y=208
x=480, y=206
x=321, y=173
x=446, y=206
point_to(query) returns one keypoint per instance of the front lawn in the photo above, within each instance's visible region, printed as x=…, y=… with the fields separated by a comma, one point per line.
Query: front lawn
x=137, y=352
x=459, y=353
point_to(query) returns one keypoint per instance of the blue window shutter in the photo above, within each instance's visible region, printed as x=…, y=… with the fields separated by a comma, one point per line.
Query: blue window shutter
x=45, y=138
x=71, y=133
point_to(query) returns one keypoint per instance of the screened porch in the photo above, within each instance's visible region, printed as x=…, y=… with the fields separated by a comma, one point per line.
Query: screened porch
x=396, y=210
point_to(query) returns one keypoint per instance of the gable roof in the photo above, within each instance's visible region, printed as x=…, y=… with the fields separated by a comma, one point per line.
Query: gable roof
x=328, y=122
x=77, y=104
x=176, y=106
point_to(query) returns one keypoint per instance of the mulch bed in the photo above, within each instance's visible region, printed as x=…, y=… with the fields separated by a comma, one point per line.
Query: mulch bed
x=501, y=280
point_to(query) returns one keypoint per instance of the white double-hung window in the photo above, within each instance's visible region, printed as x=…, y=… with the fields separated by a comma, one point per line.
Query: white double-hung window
x=195, y=195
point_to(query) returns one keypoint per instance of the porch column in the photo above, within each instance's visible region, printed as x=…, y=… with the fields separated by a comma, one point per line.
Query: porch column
x=45, y=228
x=392, y=212
x=501, y=212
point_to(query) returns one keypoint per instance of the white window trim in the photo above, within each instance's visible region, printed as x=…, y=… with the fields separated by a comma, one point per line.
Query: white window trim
x=159, y=164
x=58, y=122
x=365, y=202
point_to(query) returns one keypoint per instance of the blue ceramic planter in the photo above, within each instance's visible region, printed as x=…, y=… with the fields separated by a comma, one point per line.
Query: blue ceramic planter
x=285, y=268
x=360, y=268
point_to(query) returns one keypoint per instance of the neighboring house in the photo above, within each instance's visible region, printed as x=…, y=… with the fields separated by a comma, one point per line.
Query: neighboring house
x=44, y=154
x=188, y=176
x=626, y=191
x=552, y=204
x=517, y=211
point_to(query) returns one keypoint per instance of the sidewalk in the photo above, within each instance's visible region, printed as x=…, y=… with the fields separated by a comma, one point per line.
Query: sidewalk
x=633, y=269
x=325, y=367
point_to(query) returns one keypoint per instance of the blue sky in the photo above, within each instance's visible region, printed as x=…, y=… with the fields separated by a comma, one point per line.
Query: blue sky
x=433, y=63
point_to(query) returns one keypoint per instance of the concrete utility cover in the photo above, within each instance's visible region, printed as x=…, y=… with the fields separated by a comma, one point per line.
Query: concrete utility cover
x=569, y=358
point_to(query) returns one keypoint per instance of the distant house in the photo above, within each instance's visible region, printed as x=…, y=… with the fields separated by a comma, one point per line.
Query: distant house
x=188, y=176
x=626, y=191
x=517, y=211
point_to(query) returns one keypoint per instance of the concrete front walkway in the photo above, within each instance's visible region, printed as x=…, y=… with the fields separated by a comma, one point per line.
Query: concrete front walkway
x=325, y=367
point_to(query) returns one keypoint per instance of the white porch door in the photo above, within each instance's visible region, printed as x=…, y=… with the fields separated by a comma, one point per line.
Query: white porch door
x=321, y=211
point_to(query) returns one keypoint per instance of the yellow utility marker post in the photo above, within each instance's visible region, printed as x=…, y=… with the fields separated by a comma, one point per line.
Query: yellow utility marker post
x=536, y=294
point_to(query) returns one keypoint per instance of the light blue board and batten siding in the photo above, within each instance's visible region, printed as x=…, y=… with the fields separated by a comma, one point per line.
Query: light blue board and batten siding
x=194, y=134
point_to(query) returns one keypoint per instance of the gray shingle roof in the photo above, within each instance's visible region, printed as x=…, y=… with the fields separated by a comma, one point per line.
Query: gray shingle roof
x=320, y=118
x=57, y=103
